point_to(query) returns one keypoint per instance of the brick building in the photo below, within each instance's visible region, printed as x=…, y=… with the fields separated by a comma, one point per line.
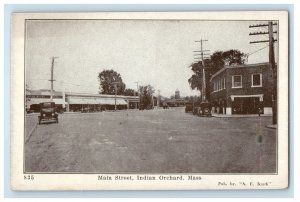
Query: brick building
x=242, y=89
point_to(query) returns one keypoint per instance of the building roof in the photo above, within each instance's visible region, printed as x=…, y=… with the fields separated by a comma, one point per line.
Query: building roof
x=237, y=66
x=102, y=101
x=44, y=92
x=48, y=92
x=175, y=100
x=100, y=95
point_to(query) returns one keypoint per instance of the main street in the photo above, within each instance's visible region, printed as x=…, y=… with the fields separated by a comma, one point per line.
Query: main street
x=151, y=141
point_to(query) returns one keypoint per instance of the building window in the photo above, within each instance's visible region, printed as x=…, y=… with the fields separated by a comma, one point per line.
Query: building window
x=219, y=85
x=237, y=81
x=256, y=80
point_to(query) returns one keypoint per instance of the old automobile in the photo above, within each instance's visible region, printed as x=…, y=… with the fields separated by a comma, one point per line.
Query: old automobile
x=188, y=107
x=196, y=108
x=205, y=109
x=48, y=112
x=165, y=105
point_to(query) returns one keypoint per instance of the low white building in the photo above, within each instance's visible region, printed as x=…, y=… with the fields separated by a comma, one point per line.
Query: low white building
x=80, y=101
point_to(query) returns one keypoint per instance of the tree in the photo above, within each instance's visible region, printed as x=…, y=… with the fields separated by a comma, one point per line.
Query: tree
x=146, y=96
x=172, y=97
x=191, y=98
x=230, y=57
x=216, y=62
x=107, y=78
x=129, y=92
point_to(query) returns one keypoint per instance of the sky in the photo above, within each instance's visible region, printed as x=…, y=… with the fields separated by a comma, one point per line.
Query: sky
x=155, y=52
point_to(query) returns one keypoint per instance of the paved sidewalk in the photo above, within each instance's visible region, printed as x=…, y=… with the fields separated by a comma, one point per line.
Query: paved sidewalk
x=31, y=121
x=273, y=126
x=238, y=115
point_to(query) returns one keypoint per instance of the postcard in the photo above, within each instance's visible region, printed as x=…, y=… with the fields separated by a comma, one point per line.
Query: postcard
x=149, y=100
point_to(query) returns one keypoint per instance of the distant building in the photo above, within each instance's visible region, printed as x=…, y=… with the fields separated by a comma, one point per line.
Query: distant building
x=177, y=94
x=242, y=89
x=176, y=101
x=68, y=101
x=35, y=97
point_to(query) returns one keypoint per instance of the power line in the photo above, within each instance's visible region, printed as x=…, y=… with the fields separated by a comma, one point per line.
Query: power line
x=271, y=41
x=52, y=79
x=203, y=91
x=59, y=81
x=261, y=25
x=248, y=54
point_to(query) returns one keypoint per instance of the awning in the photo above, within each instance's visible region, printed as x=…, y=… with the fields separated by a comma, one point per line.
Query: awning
x=111, y=101
x=101, y=101
x=121, y=102
x=76, y=101
x=34, y=101
x=106, y=101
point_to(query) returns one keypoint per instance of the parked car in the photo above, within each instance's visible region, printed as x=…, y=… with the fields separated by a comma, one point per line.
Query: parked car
x=141, y=107
x=165, y=105
x=188, y=107
x=196, y=108
x=205, y=109
x=48, y=112
x=86, y=110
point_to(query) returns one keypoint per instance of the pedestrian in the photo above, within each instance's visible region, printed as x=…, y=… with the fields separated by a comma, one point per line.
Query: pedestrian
x=259, y=111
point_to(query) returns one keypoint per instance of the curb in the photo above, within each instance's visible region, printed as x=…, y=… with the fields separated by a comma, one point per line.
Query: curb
x=239, y=116
x=31, y=132
x=271, y=126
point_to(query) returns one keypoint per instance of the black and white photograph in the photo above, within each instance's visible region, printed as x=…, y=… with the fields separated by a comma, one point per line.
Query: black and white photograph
x=131, y=99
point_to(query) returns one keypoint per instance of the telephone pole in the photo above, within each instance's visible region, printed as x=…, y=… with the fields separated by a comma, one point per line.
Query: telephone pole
x=158, y=98
x=272, y=64
x=51, y=80
x=203, y=89
x=152, y=99
x=137, y=86
x=116, y=89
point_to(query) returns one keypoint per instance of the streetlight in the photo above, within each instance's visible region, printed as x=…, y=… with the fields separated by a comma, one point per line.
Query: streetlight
x=116, y=88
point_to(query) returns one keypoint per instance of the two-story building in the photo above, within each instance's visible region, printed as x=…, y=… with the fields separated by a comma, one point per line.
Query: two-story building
x=242, y=89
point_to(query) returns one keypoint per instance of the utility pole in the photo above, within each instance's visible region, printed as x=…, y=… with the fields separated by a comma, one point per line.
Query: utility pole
x=137, y=86
x=158, y=98
x=203, y=89
x=152, y=99
x=272, y=64
x=116, y=89
x=51, y=80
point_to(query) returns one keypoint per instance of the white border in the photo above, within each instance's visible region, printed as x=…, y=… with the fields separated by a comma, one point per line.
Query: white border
x=88, y=181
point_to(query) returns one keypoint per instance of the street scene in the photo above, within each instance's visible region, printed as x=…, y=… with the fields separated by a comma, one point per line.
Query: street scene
x=150, y=96
x=156, y=141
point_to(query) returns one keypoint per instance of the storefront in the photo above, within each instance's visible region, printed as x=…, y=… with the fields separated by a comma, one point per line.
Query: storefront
x=242, y=89
x=80, y=101
x=247, y=104
x=92, y=104
x=35, y=97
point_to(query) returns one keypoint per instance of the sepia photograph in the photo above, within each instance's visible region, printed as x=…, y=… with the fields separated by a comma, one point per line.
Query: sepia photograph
x=146, y=99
